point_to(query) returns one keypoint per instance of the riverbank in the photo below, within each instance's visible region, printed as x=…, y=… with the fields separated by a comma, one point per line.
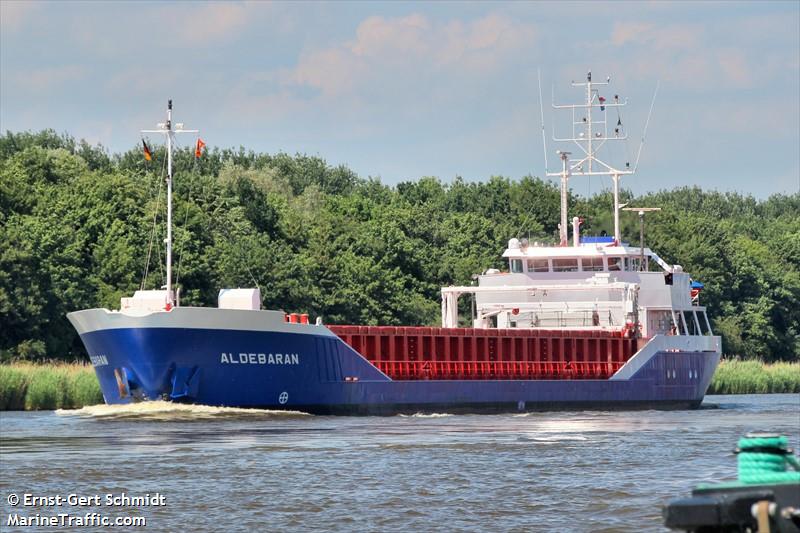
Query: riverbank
x=29, y=387
x=734, y=376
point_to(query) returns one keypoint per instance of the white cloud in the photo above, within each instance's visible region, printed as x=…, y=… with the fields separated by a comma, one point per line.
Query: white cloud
x=659, y=37
x=113, y=30
x=630, y=32
x=14, y=13
x=144, y=80
x=721, y=54
x=205, y=23
x=333, y=71
x=735, y=67
x=378, y=37
x=49, y=78
x=400, y=50
x=423, y=88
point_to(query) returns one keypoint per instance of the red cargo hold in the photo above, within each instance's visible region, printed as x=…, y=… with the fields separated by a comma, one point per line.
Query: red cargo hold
x=413, y=353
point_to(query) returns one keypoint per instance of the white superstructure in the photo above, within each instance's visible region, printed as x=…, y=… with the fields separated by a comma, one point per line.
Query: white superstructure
x=595, y=283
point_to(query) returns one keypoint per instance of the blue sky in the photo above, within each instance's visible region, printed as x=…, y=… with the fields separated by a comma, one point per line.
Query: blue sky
x=403, y=90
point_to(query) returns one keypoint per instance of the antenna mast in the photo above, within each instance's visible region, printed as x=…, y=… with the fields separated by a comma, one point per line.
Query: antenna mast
x=642, y=211
x=590, y=133
x=166, y=129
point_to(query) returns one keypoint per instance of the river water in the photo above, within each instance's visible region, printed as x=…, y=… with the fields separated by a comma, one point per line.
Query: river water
x=228, y=469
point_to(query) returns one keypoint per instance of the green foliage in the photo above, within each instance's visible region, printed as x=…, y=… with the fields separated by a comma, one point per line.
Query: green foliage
x=735, y=376
x=748, y=255
x=47, y=386
x=76, y=225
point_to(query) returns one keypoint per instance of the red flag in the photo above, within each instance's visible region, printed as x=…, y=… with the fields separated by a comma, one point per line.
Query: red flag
x=198, y=151
x=148, y=155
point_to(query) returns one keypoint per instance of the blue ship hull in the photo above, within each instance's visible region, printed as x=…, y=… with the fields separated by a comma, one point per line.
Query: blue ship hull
x=314, y=371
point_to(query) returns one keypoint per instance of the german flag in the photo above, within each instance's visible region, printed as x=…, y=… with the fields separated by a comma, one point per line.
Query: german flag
x=198, y=150
x=148, y=155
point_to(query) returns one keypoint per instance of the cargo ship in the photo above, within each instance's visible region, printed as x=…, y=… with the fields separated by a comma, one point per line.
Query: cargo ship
x=591, y=324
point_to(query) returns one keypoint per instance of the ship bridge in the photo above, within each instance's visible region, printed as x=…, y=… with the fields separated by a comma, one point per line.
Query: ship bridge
x=596, y=285
x=592, y=256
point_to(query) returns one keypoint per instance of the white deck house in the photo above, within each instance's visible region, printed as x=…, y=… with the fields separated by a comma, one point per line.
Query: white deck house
x=594, y=286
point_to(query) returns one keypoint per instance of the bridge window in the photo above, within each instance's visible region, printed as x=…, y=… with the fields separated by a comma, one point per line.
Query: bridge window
x=592, y=264
x=565, y=265
x=538, y=265
x=516, y=266
x=632, y=264
x=692, y=322
x=615, y=263
x=659, y=322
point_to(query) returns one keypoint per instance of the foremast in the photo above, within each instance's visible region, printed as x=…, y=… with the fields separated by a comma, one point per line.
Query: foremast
x=169, y=132
x=590, y=134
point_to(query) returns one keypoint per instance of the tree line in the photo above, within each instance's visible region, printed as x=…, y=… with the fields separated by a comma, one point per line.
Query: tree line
x=80, y=228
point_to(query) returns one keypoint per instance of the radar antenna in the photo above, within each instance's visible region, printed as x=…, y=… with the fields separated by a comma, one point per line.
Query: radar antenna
x=642, y=211
x=590, y=131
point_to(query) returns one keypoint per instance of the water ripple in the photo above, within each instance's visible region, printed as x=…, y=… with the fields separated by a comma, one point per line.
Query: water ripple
x=238, y=469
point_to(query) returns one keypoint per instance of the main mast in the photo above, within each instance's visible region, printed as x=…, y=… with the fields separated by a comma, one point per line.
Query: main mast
x=166, y=129
x=589, y=134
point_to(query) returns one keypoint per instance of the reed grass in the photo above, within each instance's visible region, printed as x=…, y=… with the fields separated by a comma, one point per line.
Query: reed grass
x=735, y=376
x=30, y=387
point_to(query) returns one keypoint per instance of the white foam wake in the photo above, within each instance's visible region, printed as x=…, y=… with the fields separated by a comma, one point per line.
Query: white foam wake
x=168, y=410
x=427, y=415
x=559, y=438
